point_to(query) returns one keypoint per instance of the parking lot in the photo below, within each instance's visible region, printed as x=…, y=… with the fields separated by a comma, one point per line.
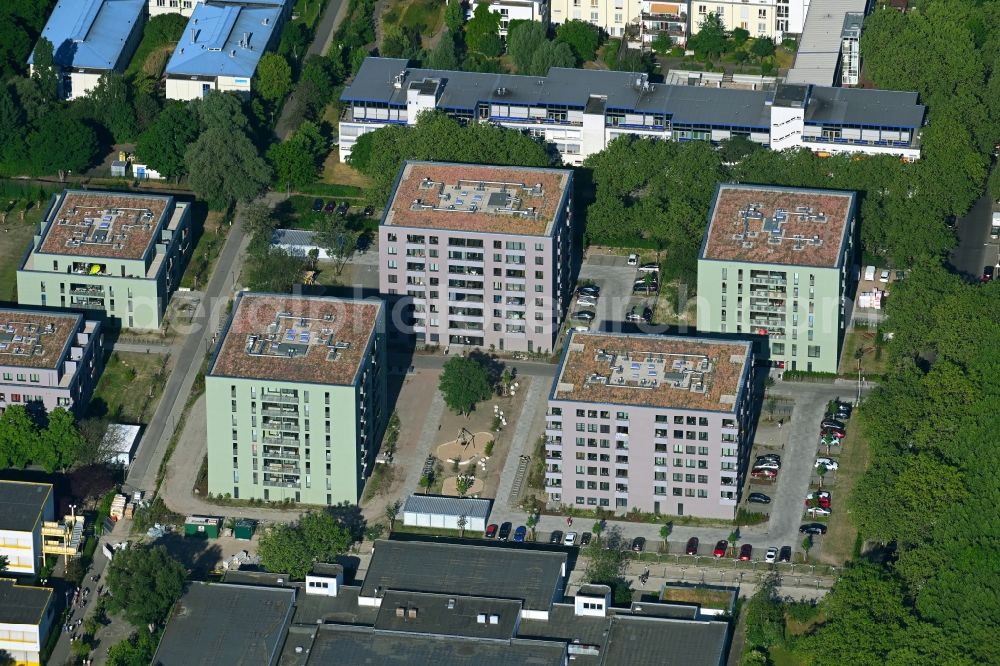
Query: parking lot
x=615, y=278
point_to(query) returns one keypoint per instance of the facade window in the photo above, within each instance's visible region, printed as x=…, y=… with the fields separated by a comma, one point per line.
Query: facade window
x=813, y=351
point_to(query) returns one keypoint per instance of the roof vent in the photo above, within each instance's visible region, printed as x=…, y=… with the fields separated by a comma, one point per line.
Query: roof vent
x=400, y=612
x=494, y=619
x=411, y=613
x=501, y=92
x=481, y=618
x=451, y=604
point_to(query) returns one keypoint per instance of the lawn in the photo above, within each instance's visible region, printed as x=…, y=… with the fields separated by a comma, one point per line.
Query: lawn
x=838, y=544
x=130, y=387
x=211, y=228
x=159, y=37
x=872, y=362
x=14, y=241
x=424, y=16
x=703, y=596
x=297, y=213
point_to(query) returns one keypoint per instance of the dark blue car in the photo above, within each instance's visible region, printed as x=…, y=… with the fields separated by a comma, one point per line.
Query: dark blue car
x=520, y=533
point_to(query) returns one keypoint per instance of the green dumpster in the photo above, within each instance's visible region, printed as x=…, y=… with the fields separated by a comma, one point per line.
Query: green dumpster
x=244, y=529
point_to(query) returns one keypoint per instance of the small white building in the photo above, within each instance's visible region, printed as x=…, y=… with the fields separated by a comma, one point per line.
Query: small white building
x=24, y=506
x=515, y=10
x=91, y=38
x=121, y=441
x=221, y=46
x=297, y=242
x=26, y=615
x=443, y=512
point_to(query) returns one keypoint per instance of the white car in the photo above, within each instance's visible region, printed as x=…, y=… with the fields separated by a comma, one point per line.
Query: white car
x=829, y=463
x=767, y=464
x=633, y=260
x=771, y=556
x=586, y=301
x=815, y=511
x=569, y=539
x=883, y=276
x=581, y=329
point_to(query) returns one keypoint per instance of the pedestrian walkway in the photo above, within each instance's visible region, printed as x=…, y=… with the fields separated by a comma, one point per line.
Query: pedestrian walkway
x=522, y=443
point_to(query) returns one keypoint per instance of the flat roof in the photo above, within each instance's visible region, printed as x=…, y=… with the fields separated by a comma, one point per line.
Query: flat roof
x=683, y=105
x=22, y=604
x=21, y=504
x=224, y=40
x=91, y=34
x=652, y=371
x=339, y=644
x=112, y=225
x=473, y=197
x=778, y=225
x=650, y=641
x=312, y=339
x=819, y=47
x=470, y=507
x=219, y=623
x=531, y=576
x=35, y=339
x=449, y=615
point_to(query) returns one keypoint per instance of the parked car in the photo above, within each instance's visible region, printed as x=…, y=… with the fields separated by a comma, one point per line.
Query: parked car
x=649, y=278
x=766, y=464
x=766, y=474
x=645, y=289
x=829, y=440
x=812, y=528
x=317, y=205
x=785, y=554
x=343, y=208
x=584, y=315
x=758, y=498
x=746, y=550
x=569, y=539
x=330, y=206
x=647, y=314
x=987, y=273
x=586, y=301
x=770, y=456
x=833, y=423
x=900, y=275
x=692, y=546
x=581, y=329
x=585, y=539
x=638, y=544
x=720, y=548
x=822, y=498
x=519, y=534
x=633, y=318
x=818, y=511
x=369, y=211
x=883, y=276
x=504, y=533
x=491, y=531
x=832, y=432
x=771, y=555
x=590, y=290
x=633, y=260
x=649, y=268
x=556, y=536
x=829, y=463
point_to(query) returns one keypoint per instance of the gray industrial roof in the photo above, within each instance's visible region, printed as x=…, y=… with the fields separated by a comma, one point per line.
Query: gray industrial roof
x=294, y=237
x=449, y=615
x=572, y=87
x=448, y=506
x=643, y=641
x=22, y=604
x=219, y=623
x=21, y=504
x=531, y=576
x=362, y=645
x=819, y=48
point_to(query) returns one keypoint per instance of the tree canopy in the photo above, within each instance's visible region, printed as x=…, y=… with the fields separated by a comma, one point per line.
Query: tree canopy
x=464, y=382
x=297, y=161
x=294, y=548
x=52, y=441
x=144, y=581
x=710, y=40
x=482, y=32
x=523, y=39
x=225, y=167
x=274, y=77
x=165, y=142
x=582, y=37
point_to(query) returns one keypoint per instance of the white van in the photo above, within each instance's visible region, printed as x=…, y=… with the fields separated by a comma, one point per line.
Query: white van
x=870, y=273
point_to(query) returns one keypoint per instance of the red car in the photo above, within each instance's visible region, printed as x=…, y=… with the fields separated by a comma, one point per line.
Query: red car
x=720, y=548
x=745, y=552
x=822, y=498
x=491, y=531
x=768, y=474
x=832, y=432
x=692, y=546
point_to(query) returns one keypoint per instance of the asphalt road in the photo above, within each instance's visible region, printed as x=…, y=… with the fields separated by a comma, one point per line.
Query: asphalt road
x=975, y=249
x=615, y=278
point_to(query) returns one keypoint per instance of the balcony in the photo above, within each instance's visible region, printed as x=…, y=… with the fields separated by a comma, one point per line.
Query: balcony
x=621, y=436
x=553, y=482
x=280, y=398
x=86, y=290
x=281, y=468
x=271, y=483
x=281, y=441
x=771, y=281
x=280, y=412
x=280, y=455
x=283, y=426
x=553, y=445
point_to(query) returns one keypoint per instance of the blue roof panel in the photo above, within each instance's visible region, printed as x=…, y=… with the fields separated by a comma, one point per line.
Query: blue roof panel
x=92, y=34
x=225, y=40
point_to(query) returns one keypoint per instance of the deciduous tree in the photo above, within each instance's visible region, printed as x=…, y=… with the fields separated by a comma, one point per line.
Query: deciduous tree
x=62, y=143
x=44, y=69
x=165, y=142
x=482, y=32
x=274, y=77
x=523, y=39
x=144, y=582
x=463, y=383
x=224, y=166
x=582, y=37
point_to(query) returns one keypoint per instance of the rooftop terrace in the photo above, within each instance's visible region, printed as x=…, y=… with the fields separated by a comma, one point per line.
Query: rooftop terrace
x=465, y=197
x=32, y=339
x=777, y=225
x=113, y=225
x=296, y=339
x=652, y=370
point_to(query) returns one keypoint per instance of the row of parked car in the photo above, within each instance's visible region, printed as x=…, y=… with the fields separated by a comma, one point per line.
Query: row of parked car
x=331, y=206
x=745, y=554
x=586, y=297
x=832, y=430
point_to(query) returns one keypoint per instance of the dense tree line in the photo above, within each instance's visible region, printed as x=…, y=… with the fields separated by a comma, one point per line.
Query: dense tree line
x=929, y=593
x=380, y=154
x=51, y=441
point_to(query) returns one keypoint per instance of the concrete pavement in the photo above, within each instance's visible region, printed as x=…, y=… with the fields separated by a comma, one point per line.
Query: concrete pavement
x=616, y=279
x=530, y=423
x=975, y=249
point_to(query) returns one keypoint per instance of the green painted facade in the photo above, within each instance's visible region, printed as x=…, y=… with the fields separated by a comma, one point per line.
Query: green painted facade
x=801, y=308
x=135, y=291
x=304, y=442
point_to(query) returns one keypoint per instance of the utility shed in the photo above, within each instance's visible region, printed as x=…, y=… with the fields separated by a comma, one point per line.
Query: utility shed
x=444, y=512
